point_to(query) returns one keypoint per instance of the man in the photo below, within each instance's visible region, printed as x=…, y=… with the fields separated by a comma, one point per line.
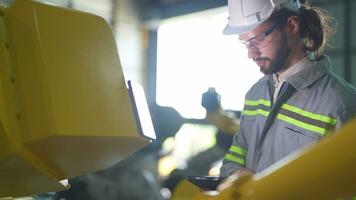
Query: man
x=300, y=100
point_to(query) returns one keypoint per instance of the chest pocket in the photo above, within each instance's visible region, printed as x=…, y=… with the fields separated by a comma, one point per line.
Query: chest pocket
x=288, y=138
x=295, y=130
x=292, y=138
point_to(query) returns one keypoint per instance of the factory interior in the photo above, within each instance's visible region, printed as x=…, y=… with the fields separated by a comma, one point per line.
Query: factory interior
x=75, y=74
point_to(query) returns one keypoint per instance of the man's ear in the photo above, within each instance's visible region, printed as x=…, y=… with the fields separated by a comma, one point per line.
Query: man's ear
x=293, y=24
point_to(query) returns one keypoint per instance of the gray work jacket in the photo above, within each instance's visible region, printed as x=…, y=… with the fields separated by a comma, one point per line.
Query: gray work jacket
x=311, y=104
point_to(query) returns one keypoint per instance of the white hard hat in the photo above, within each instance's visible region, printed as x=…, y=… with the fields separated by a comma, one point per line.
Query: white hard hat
x=245, y=15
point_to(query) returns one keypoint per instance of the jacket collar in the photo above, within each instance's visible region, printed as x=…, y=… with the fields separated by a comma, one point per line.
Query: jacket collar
x=307, y=76
x=311, y=74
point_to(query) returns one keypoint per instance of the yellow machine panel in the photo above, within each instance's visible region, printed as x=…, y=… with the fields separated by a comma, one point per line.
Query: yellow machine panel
x=65, y=108
x=325, y=171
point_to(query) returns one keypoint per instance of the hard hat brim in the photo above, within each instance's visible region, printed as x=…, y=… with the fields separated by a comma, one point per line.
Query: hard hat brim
x=232, y=30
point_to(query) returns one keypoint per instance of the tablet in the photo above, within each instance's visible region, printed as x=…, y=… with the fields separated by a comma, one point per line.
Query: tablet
x=141, y=111
x=206, y=182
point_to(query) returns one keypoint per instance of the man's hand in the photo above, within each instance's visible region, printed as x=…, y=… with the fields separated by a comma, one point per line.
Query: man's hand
x=240, y=175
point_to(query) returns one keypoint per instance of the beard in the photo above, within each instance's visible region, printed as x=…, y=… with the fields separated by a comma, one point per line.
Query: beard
x=274, y=65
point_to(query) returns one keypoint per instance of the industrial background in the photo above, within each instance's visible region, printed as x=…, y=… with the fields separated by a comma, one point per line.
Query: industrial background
x=136, y=24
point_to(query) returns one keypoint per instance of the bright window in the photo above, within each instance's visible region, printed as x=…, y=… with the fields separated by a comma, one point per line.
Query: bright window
x=194, y=55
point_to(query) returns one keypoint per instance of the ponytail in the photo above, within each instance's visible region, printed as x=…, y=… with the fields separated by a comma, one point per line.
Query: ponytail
x=316, y=28
x=316, y=25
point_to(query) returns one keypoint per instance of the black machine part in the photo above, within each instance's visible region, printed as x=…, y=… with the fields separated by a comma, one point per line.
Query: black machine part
x=211, y=100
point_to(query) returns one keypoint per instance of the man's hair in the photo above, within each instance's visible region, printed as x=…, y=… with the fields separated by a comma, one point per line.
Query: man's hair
x=316, y=25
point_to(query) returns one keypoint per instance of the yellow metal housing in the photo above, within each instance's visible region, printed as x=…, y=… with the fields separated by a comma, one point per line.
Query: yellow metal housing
x=64, y=106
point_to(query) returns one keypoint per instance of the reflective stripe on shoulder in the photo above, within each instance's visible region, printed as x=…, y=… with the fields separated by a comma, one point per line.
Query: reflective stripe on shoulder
x=317, y=123
x=307, y=120
x=304, y=113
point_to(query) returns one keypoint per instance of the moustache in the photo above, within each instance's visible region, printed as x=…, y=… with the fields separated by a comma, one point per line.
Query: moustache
x=261, y=59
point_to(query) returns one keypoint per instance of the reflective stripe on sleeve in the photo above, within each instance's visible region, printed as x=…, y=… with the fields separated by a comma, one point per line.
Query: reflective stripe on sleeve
x=235, y=159
x=256, y=107
x=238, y=150
x=236, y=154
x=257, y=102
x=255, y=112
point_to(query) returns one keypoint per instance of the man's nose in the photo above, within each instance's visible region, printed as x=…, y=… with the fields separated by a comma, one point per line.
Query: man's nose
x=253, y=52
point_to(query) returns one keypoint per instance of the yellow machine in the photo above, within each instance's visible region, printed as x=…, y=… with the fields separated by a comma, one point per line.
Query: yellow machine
x=64, y=105
x=325, y=171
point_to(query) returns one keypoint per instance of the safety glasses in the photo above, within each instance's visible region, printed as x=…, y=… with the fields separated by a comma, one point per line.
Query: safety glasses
x=258, y=41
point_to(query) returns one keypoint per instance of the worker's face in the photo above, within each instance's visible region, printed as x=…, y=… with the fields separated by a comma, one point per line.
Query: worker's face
x=268, y=46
